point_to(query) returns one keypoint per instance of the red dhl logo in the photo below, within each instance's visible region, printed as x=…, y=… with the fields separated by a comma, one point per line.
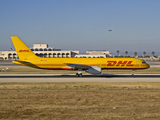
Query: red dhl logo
x=23, y=50
x=119, y=63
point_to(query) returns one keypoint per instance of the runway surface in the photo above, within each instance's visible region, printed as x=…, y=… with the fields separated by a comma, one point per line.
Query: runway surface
x=73, y=78
x=84, y=78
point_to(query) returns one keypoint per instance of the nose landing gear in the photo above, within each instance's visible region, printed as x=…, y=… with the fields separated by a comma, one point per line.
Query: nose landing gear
x=133, y=72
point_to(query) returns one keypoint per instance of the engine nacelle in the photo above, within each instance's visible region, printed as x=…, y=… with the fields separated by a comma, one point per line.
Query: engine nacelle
x=94, y=70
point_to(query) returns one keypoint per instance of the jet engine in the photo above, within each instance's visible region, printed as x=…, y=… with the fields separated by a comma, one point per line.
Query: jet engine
x=94, y=70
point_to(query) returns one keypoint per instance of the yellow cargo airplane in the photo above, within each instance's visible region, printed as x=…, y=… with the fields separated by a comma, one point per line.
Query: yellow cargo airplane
x=90, y=65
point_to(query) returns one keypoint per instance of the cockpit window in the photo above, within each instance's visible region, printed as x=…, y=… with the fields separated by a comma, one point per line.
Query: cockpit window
x=144, y=62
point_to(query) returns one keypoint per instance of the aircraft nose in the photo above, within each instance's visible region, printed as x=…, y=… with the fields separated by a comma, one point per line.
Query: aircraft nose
x=148, y=66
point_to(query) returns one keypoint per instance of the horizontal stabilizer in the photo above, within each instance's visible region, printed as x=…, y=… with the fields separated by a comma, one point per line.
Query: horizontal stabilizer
x=25, y=63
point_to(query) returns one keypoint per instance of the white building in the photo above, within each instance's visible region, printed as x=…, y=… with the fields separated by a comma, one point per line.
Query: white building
x=94, y=54
x=41, y=50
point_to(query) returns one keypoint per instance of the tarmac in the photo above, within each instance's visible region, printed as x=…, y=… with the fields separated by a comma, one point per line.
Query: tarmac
x=73, y=78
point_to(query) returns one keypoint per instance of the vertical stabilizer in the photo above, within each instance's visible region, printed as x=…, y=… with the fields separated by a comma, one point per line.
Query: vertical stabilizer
x=24, y=53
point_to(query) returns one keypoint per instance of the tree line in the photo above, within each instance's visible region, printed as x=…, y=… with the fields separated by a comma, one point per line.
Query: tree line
x=135, y=53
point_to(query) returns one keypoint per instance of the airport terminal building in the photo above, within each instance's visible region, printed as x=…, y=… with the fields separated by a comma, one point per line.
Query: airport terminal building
x=94, y=54
x=42, y=50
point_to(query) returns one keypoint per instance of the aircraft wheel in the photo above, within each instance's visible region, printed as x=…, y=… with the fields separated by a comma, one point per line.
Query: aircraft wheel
x=79, y=75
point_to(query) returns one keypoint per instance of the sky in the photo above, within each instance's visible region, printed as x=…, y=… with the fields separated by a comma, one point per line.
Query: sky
x=83, y=24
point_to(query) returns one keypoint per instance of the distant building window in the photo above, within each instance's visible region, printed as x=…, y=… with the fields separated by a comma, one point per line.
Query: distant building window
x=54, y=54
x=37, y=54
x=40, y=49
x=41, y=55
x=63, y=54
x=36, y=49
x=67, y=54
x=45, y=54
x=32, y=49
x=58, y=55
x=50, y=49
x=45, y=49
x=49, y=54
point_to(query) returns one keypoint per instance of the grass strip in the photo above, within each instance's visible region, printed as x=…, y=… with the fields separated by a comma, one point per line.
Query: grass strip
x=91, y=101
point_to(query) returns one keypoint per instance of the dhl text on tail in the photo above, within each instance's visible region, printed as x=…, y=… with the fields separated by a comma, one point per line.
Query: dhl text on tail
x=90, y=65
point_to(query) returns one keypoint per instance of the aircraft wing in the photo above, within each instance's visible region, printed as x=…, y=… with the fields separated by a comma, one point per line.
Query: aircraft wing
x=78, y=66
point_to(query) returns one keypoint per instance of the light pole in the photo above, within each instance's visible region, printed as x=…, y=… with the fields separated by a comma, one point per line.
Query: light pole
x=110, y=41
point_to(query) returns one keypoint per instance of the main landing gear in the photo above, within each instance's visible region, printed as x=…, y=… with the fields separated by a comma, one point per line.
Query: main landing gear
x=79, y=74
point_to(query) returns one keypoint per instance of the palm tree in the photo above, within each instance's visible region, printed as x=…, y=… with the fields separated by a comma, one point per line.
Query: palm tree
x=117, y=52
x=135, y=54
x=126, y=53
x=153, y=53
x=144, y=54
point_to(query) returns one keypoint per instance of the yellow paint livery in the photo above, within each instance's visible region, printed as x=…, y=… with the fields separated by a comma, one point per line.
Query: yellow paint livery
x=91, y=65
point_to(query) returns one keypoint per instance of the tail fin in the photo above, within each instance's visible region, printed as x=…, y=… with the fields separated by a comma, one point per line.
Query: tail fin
x=24, y=53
